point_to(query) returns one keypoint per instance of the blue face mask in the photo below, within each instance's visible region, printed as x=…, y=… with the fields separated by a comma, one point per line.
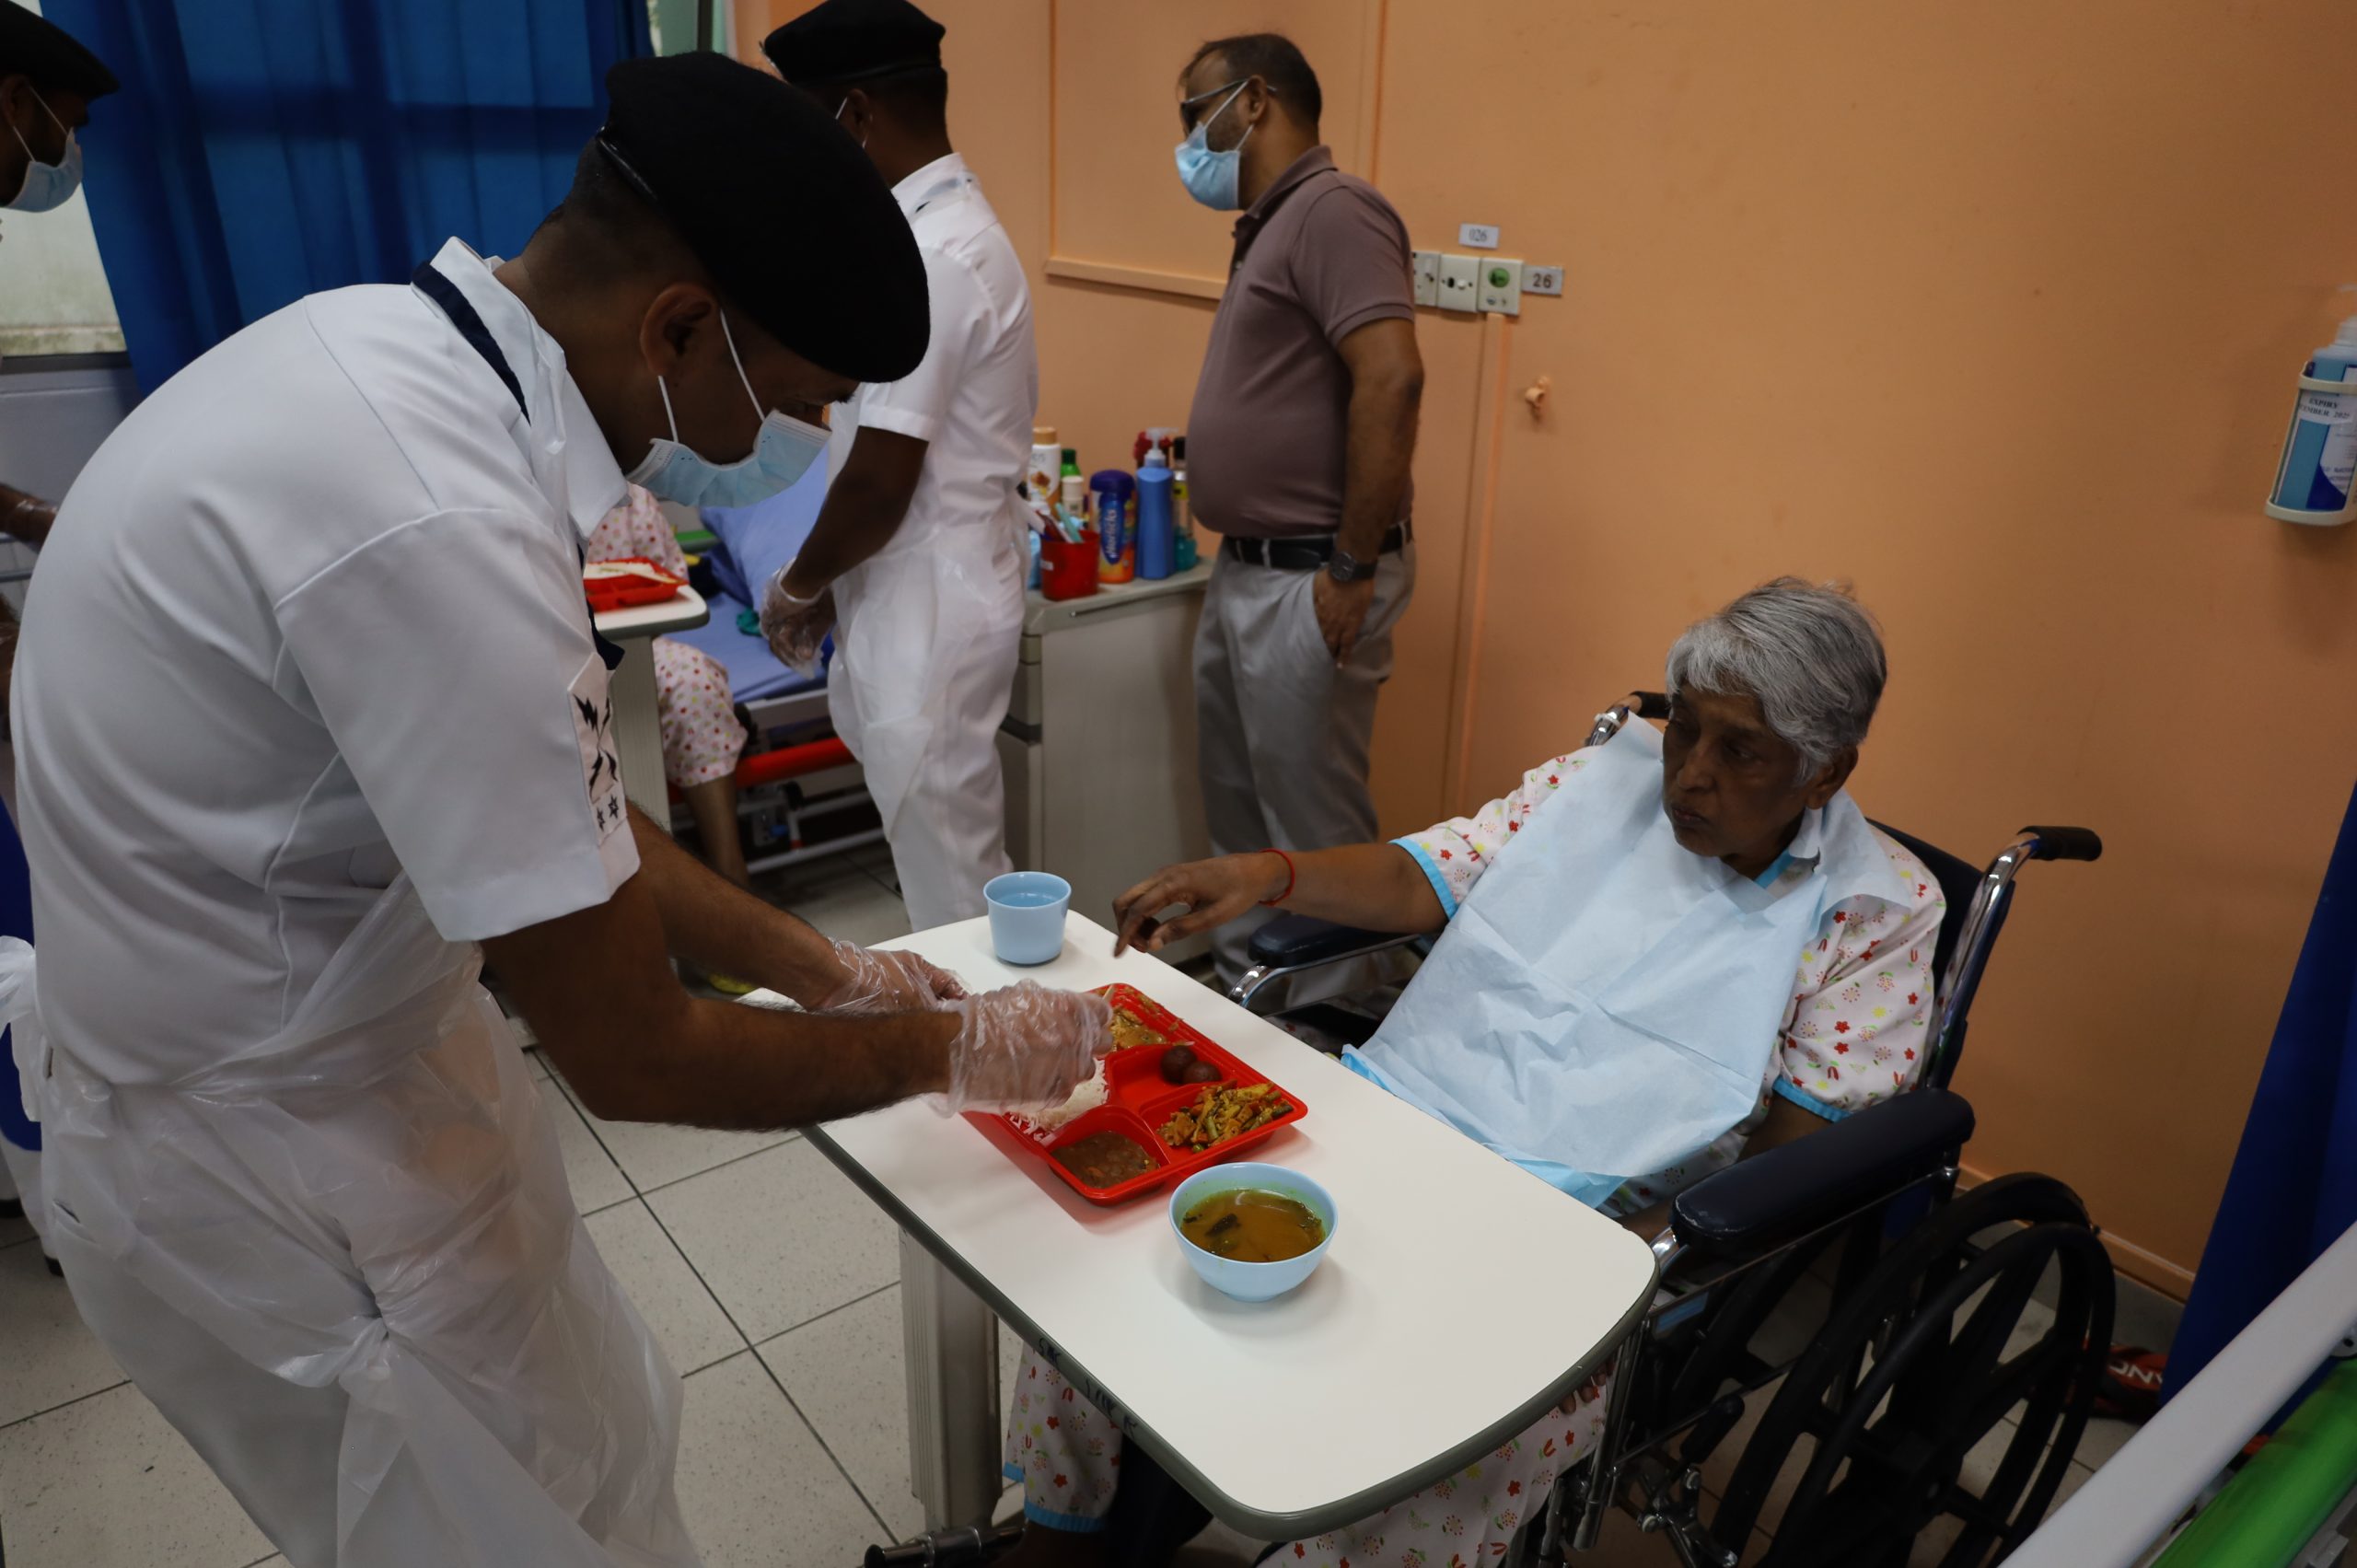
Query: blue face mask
x=47, y=185
x=1214, y=178
x=782, y=453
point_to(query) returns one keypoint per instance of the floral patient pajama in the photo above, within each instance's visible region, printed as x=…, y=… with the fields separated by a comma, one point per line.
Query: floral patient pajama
x=1068, y=1458
x=701, y=737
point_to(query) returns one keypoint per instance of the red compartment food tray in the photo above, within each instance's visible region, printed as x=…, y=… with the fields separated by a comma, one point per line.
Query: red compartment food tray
x=1137, y=1102
x=610, y=593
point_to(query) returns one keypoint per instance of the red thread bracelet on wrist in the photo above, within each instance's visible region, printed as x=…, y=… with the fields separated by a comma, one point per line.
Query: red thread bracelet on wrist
x=1290, y=875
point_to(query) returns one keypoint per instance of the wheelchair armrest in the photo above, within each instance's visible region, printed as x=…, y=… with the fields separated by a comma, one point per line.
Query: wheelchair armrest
x=1788, y=1191
x=1293, y=941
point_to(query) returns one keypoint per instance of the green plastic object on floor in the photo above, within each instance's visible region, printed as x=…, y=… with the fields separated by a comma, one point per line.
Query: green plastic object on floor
x=2279, y=1500
x=749, y=622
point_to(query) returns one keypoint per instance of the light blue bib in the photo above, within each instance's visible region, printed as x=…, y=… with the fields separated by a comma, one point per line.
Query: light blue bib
x=1606, y=1002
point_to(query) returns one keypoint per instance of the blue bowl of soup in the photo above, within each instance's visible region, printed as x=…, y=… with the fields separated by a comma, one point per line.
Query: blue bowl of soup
x=1233, y=1220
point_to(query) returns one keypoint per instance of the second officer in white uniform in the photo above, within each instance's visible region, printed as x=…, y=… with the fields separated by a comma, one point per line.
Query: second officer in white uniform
x=916, y=561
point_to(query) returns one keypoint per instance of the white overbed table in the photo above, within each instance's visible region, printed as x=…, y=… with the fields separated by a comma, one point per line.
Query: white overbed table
x=1460, y=1297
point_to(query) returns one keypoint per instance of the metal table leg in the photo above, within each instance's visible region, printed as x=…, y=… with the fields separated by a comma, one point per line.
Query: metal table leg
x=954, y=1417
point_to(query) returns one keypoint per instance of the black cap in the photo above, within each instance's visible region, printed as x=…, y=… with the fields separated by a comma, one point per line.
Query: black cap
x=36, y=47
x=853, y=40
x=779, y=203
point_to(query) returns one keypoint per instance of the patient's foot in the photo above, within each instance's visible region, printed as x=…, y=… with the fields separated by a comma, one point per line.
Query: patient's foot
x=1044, y=1548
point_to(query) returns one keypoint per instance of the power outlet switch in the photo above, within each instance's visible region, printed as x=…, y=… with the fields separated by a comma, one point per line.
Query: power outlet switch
x=1459, y=281
x=1427, y=277
x=1501, y=290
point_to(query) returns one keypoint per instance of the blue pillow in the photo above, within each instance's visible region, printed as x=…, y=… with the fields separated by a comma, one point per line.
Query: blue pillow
x=756, y=542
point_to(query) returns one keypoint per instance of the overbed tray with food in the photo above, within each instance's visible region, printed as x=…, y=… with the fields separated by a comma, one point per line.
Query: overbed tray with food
x=1173, y=1104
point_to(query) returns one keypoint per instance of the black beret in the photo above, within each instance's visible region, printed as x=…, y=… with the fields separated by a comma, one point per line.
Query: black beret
x=36, y=47
x=779, y=203
x=852, y=41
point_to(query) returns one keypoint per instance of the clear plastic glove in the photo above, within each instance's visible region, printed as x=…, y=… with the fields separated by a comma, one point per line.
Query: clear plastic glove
x=796, y=628
x=1025, y=1048
x=877, y=981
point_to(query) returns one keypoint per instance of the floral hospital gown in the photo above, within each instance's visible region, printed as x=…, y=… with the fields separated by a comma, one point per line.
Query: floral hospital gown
x=701, y=737
x=1855, y=1033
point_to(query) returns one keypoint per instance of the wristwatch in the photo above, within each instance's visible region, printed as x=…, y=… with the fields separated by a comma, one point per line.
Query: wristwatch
x=1344, y=568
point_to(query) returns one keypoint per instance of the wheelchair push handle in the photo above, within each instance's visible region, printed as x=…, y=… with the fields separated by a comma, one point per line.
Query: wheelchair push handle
x=2063, y=843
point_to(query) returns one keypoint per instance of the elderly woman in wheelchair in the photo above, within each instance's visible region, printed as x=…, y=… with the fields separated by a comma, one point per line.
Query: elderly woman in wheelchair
x=1645, y=951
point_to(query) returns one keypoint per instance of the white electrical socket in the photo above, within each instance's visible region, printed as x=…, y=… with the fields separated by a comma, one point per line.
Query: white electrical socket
x=1501, y=287
x=1427, y=277
x=1459, y=281
x=1478, y=235
x=1540, y=278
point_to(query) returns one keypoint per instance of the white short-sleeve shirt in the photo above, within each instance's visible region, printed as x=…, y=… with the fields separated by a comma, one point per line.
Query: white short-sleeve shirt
x=312, y=616
x=972, y=398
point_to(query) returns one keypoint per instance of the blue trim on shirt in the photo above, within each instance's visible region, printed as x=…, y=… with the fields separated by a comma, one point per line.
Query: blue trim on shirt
x=1768, y=877
x=1807, y=1101
x=1424, y=858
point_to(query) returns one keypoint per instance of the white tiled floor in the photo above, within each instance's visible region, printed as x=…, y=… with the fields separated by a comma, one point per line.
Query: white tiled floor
x=770, y=1283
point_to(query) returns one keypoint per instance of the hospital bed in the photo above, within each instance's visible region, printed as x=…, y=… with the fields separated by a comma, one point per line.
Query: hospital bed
x=800, y=792
x=1922, y=1352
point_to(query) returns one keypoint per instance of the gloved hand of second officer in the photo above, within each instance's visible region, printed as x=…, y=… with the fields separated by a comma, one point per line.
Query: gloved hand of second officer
x=796, y=628
x=880, y=981
x=1025, y=1048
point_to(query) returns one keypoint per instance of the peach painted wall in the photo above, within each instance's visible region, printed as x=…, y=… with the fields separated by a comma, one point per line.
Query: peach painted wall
x=1991, y=309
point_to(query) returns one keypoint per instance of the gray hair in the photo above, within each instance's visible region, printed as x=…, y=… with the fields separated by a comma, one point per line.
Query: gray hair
x=1811, y=655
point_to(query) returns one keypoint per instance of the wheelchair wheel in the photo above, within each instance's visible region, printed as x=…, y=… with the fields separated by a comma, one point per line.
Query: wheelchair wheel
x=1919, y=1368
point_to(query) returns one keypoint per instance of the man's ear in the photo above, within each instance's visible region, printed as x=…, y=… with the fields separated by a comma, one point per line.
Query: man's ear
x=1831, y=777
x=856, y=114
x=1258, y=102
x=675, y=326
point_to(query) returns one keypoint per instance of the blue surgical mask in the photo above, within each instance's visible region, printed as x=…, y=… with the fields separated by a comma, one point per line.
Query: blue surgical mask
x=785, y=450
x=47, y=185
x=1213, y=179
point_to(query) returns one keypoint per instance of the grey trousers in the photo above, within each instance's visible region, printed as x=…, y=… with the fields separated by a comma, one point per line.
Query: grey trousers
x=1282, y=731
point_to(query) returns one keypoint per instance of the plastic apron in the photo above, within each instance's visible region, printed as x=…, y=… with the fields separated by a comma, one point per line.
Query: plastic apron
x=374, y=1199
x=1604, y=1003
x=926, y=635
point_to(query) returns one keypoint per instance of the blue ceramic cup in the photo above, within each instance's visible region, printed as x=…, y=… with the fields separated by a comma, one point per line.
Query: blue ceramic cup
x=1027, y=915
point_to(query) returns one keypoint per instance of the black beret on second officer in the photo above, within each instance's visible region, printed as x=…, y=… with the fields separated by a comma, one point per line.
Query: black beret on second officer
x=34, y=46
x=779, y=203
x=841, y=42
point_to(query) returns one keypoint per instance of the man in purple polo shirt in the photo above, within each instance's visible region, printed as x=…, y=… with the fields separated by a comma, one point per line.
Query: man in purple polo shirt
x=1298, y=445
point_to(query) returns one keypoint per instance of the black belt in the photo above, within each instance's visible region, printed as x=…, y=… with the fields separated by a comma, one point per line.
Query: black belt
x=1304, y=554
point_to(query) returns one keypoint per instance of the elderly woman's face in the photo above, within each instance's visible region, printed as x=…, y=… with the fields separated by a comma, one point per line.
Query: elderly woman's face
x=1728, y=782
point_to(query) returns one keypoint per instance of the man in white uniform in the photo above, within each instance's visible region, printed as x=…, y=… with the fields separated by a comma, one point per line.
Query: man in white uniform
x=916, y=561
x=312, y=706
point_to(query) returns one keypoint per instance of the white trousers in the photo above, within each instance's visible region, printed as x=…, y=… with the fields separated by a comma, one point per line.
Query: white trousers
x=927, y=646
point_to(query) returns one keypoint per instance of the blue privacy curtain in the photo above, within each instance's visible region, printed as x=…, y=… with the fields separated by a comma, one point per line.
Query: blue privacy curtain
x=2294, y=1187
x=261, y=150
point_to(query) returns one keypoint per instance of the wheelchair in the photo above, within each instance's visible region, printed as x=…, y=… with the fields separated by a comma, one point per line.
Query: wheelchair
x=1909, y=1299
x=1924, y=1346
